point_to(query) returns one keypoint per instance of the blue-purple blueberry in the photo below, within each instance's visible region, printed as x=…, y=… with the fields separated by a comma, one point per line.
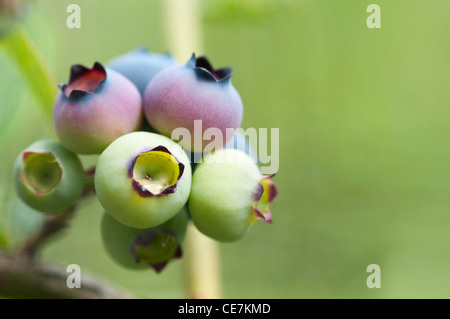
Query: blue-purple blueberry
x=94, y=108
x=178, y=96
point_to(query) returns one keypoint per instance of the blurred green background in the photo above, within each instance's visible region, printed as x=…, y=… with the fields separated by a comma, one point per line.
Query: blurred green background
x=364, y=124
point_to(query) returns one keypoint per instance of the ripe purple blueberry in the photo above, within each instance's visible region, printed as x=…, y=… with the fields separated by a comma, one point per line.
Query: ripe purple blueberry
x=178, y=96
x=48, y=177
x=97, y=106
x=140, y=66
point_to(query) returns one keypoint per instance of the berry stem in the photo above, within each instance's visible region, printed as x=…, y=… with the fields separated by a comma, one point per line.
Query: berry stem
x=202, y=255
x=53, y=224
x=89, y=177
x=22, y=275
x=27, y=58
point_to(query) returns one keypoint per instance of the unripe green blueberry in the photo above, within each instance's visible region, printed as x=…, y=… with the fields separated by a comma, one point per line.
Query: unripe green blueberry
x=48, y=177
x=229, y=194
x=143, y=179
x=143, y=248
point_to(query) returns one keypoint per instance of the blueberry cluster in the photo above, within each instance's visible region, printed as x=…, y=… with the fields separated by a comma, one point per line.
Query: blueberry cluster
x=145, y=181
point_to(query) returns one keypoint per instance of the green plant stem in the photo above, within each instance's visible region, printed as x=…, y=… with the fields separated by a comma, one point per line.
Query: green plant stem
x=22, y=277
x=202, y=255
x=89, y=181
x=24, y=53
x=202, y=260
x=55, y=223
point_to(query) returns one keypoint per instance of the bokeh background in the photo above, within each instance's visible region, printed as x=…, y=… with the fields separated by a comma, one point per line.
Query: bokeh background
x=364, y=122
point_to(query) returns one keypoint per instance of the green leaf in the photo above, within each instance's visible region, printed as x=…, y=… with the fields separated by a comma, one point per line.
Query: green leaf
x=11, y=92
x=21, y=49
x=4, y=244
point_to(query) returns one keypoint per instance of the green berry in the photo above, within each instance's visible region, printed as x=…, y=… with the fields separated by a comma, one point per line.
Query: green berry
x=229, y=194
x=143, y=248
x=48, y=177
x=143, y=179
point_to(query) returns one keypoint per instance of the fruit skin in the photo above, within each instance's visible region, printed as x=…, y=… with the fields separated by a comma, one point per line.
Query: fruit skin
x=140, y=66
x=87, y=120
x=178, y=96
x=69, y=187
x=117, y=191
x=229, y=194
x=119, y=239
